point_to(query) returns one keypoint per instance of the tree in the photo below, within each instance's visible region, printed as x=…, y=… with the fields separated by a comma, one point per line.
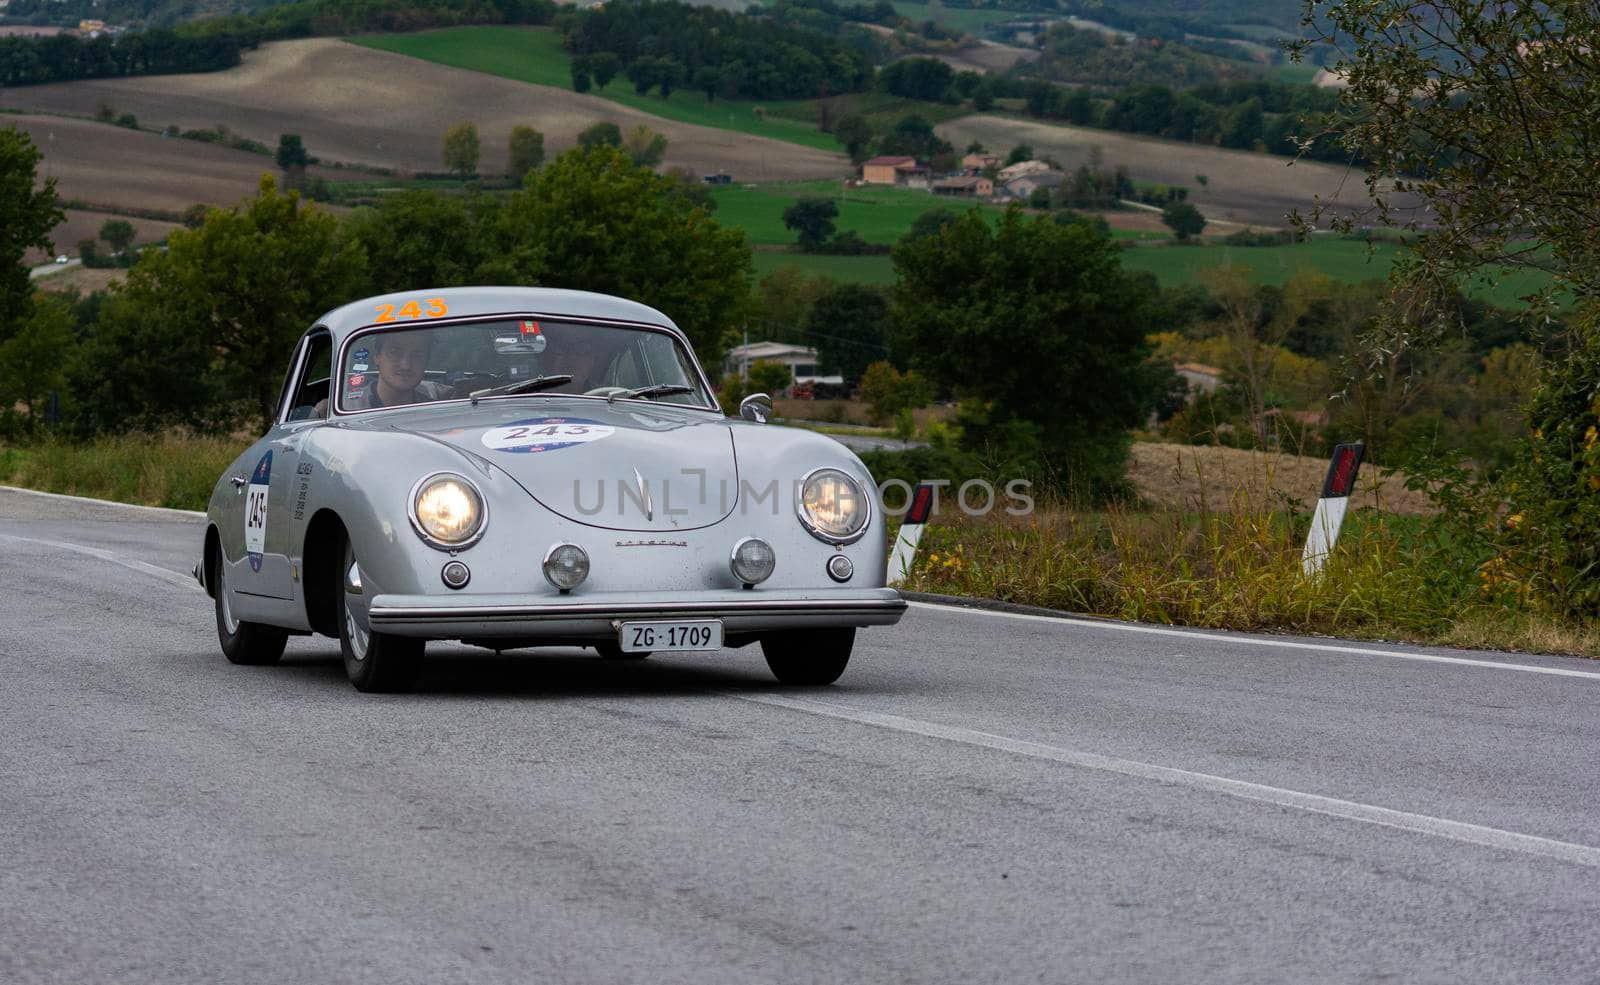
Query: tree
x=889, y=392
x=669, y=76
x=225, y=303
x=605, y=65
x=707, y=79
x=291, y=156
x=1183, y=219
x=32, y=359
x=118, y=234
x=581, y=78
x=526, y=152
x=933, y=222
x=1019, y=153
x=1484, y=115
x=420, y=237
x=593, y=220
x=812, y=219
x=913, y=136
x=1036, y=321
x=642, y=72
x=847, y=328
x=461, y=149
x=770, y=378
x=855, y=133
x=27, y=214
x=644, y=146
x=602, y=134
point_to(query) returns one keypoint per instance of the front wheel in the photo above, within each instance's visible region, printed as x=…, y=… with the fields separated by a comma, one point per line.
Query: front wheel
x=249, y=643
x=374, y=662
x=811, y=657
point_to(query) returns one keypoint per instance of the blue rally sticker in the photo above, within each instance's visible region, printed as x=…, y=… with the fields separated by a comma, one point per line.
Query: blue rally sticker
x=255, y=512
x=545, y=434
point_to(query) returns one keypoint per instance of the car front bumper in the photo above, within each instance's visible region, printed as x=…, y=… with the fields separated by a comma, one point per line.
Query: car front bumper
x=582, y=618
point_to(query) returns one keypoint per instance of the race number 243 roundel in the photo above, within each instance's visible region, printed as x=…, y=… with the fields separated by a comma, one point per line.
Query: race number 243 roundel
x=255, y=511
x=545, y=434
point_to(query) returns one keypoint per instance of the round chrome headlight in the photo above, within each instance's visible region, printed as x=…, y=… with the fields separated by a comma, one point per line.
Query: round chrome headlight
x=833, y=506
x=753, y=560
x=566, y=566
x=448, y=511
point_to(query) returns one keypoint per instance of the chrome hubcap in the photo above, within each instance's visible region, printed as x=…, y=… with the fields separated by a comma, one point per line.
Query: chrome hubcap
x=357, y=633
x=229, y=624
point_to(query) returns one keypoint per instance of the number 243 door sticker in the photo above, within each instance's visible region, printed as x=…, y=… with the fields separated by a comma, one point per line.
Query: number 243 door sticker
x=255, y=511
x=545, y=434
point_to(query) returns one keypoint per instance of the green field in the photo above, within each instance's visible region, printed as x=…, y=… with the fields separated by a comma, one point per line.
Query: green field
x=969, y=19
x=1343, y=260
x=534, y=55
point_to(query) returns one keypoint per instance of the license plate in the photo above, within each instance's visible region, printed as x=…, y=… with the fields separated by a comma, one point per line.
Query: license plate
x=644, y=637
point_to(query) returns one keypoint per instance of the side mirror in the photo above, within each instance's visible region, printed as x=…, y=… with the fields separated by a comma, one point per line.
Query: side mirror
x=756, y=407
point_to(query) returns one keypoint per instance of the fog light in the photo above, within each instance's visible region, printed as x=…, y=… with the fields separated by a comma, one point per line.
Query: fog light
x=566, y=566
x=840, y=568
x=752, y=561
x=455, y=574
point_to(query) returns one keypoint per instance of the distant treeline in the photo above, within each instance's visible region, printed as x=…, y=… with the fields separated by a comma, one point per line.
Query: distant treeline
x=1087, y=57
x=215, y=44
x=736, y=55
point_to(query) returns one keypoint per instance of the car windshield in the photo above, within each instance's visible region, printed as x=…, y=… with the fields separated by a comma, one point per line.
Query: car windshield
x=412, y=364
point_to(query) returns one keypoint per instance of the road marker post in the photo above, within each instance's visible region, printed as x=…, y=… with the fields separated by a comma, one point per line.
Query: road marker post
x=1329, y=517
x=918, y=511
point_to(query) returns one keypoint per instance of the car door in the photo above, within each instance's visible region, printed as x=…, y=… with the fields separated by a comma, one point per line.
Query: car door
x=269, y=505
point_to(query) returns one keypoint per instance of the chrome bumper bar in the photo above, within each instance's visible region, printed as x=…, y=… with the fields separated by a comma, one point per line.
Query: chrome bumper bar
x=592, y=617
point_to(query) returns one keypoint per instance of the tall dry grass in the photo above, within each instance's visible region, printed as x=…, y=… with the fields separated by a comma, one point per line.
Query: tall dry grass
x=172, y=470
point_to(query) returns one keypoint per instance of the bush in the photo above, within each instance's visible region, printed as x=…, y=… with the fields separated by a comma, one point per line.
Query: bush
x=887, y=391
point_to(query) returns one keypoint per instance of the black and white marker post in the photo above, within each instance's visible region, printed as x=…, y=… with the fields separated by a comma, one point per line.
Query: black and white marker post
x=1325, y=523
x=905, y=546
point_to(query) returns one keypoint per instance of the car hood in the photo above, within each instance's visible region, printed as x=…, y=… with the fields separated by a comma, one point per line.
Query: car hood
x=622, y=466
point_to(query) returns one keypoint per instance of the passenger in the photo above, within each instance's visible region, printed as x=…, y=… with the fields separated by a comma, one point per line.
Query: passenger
x=398, y=359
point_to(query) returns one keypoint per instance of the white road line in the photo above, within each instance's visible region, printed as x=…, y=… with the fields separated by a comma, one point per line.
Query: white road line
x=187, y=514
x=1314, y=803
x=1194, y=634
x=172, y=577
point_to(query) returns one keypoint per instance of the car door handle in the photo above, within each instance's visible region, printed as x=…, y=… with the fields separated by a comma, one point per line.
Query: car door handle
x=239, y=482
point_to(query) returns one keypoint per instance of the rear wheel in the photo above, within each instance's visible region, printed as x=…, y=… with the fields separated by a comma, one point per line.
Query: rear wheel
x=811, y=657
x=374, y=662
x=248, y=643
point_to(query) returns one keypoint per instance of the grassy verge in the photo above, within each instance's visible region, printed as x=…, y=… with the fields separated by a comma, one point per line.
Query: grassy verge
x=1390, y=578
x=529, y=54
x=169, y=470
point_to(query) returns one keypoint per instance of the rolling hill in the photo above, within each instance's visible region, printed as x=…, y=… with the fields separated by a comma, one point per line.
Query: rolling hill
x=357, y=105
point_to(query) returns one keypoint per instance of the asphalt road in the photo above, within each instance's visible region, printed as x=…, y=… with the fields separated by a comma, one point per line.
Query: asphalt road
x=982, y=798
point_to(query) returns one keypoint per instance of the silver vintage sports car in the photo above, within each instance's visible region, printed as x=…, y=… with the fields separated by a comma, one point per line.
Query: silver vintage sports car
x=515, y=467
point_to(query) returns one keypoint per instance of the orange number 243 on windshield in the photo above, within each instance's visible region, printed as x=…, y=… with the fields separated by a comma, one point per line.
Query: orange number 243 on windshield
x=412, y=309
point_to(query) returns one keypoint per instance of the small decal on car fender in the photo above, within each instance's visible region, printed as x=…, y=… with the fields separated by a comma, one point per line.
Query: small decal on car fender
x=545, y=434
x=255, y=511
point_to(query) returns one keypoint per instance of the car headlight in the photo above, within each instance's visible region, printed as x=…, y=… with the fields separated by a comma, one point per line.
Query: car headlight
x=448, y=511
x=833, y=506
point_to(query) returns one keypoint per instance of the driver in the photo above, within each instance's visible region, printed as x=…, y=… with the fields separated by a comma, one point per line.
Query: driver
x=585, y=356
x=399, y=359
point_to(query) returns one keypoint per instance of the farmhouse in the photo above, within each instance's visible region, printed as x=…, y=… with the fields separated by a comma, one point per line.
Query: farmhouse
x=978, y=162
x=894, y=171
x=967, y=186
x=1015, y=171
x=1029, y=183
x=801, y=360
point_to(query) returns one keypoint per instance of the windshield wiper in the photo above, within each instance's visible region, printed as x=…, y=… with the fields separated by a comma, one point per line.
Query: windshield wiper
x=658, y=390
x=522, y=386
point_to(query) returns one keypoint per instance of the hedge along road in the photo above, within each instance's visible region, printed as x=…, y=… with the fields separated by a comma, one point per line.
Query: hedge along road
x=983, y=797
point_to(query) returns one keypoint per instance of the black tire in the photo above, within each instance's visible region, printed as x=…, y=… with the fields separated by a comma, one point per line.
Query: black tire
x=376, y=663
x=812, y=657
x=613, y=651
x=247, y=643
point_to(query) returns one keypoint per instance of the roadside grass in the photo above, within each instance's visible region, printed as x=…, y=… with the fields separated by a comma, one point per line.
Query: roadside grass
x=1391, y=578
x=533, y=54
x=172, y=470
